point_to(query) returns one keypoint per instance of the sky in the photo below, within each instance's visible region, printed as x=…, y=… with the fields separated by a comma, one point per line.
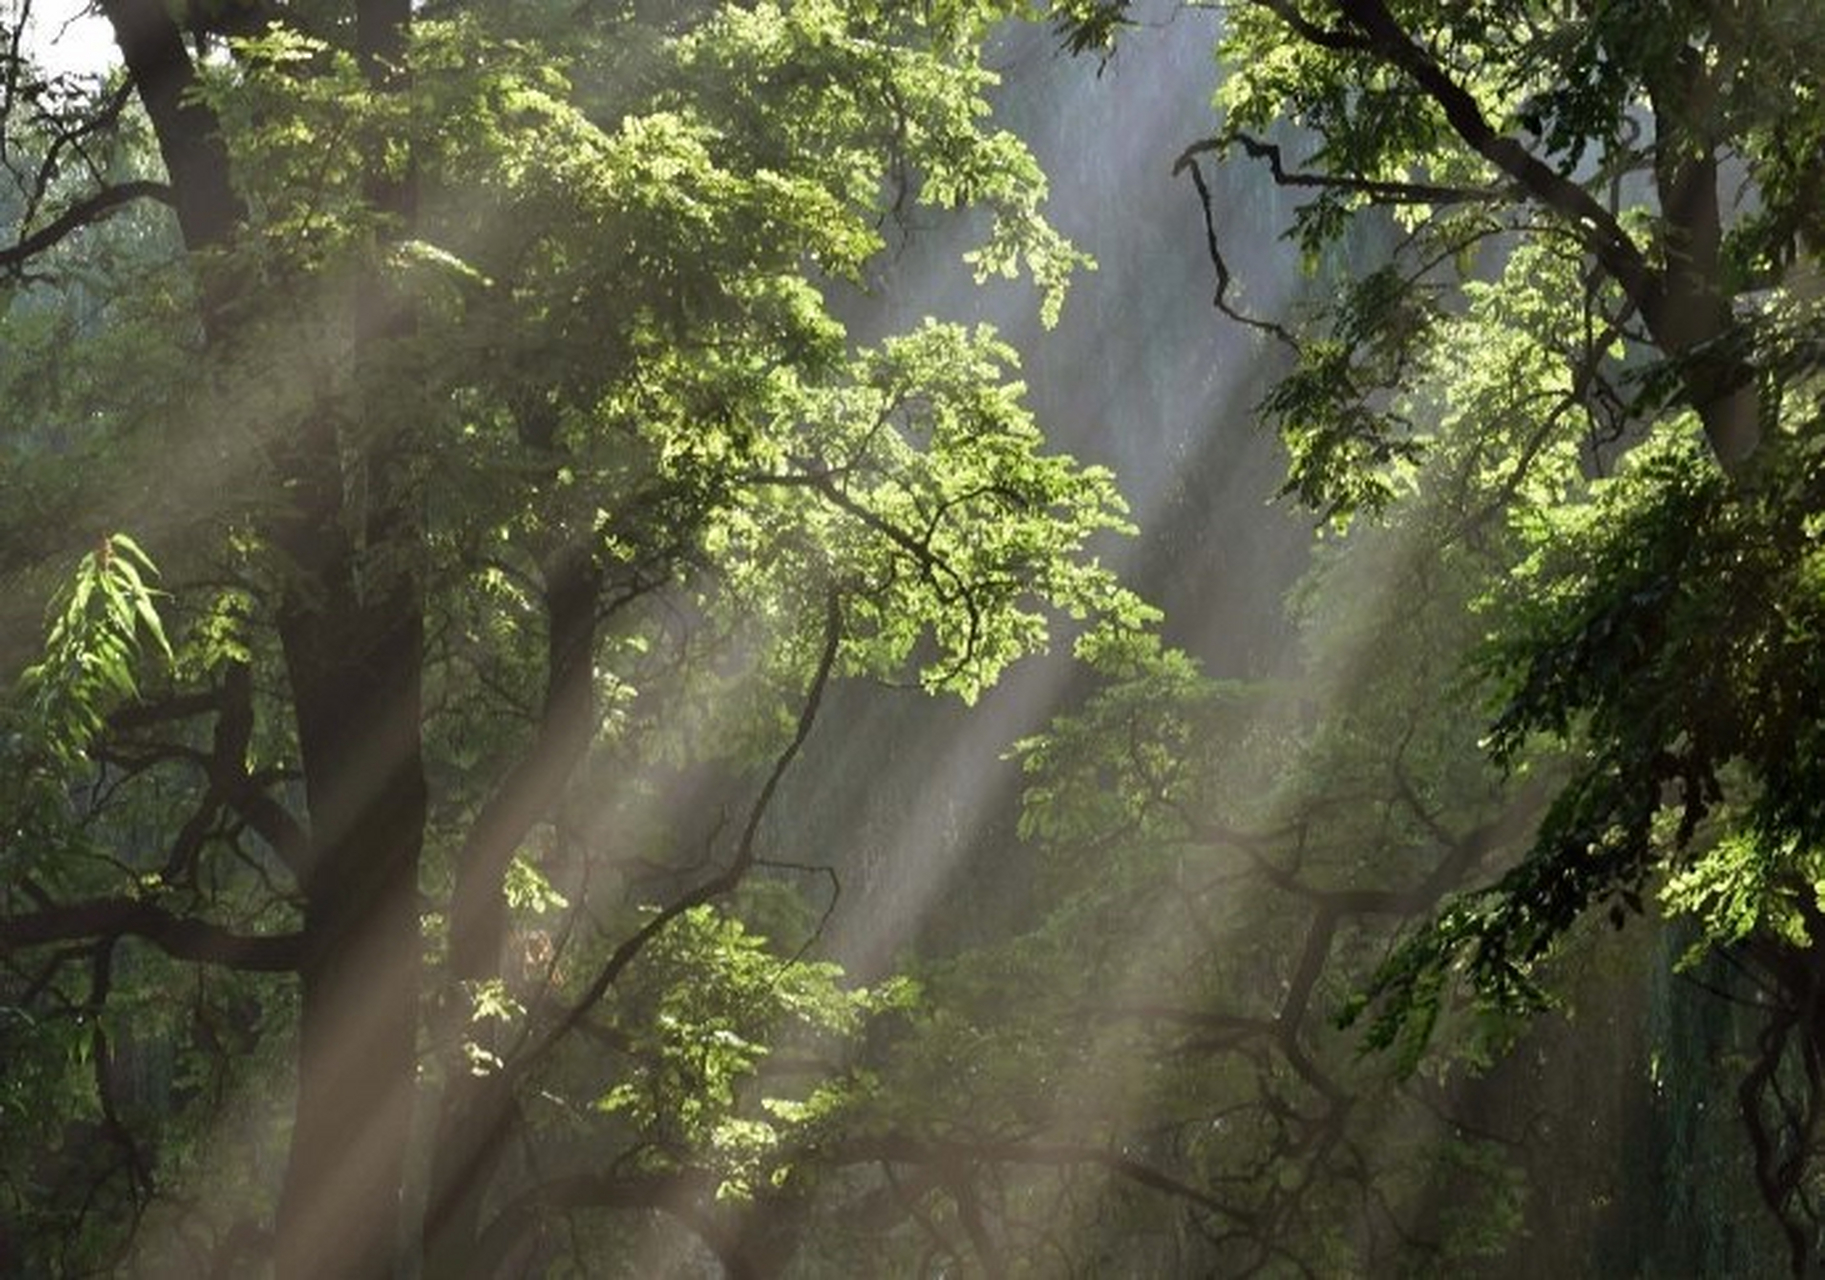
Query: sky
x=66, y=36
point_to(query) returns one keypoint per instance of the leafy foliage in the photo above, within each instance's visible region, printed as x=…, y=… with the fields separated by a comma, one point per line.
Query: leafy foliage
x=506, y=376
x=1634, y=407
x=100, y=621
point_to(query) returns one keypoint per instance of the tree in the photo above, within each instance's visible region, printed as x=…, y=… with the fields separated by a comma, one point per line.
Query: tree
x=1658, y=436
x=522, y=460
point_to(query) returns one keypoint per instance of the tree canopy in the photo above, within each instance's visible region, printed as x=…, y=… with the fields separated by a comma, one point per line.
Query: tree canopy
x=472, y=377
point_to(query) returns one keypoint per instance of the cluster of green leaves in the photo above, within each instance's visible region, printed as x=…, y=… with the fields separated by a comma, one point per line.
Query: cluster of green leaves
x=1665, y=625
x=738, y=1055
x=944, y=523
x=102, y=621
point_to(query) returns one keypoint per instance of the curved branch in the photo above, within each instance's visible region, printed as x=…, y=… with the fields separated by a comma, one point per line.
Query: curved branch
x=84, y=213
x=730, y=876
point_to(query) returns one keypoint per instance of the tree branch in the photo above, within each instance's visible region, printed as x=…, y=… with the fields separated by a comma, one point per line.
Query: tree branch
x=1378, y=190
x=902, y=1149
x=566, y=725
x=84, y=213
x=730, y=876
x=225, y=764
x=1324, y=37
x=182, y=937
x=1188, y=163
x=1687, y=317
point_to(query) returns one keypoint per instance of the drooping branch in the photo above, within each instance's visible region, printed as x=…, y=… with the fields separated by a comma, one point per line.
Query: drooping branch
x=1777, y=1165
x=1784, y=1130
x=1188, y=163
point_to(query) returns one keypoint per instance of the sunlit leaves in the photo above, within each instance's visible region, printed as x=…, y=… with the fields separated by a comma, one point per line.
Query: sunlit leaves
x=491, y=1000
x=527, y=889
x=302, y=124
x=1743, y=887
x=915, y=485
x=710, y=1004
x=872, y=108
x=102, y=621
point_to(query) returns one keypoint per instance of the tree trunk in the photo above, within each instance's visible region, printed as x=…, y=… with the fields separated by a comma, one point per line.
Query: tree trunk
x=1688, y=312
x=355, y=675
x=352, y=627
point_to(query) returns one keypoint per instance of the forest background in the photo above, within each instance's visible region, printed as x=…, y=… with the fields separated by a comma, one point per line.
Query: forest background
x=502, y=475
